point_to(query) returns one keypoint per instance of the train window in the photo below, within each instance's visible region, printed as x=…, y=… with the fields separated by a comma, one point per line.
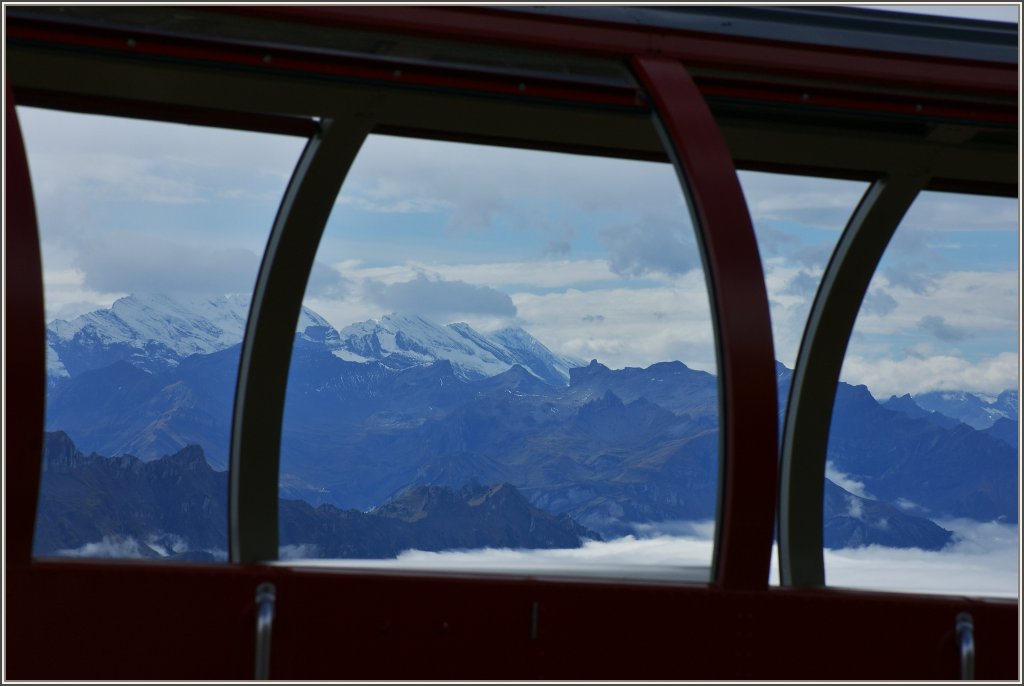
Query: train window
x=921, y=492
x=508, y=364
x=797, y=221
x=151, y=236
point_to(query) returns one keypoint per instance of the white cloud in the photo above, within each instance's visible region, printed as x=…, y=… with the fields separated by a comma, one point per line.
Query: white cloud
x=878, y=302
x=93, y=173
x=908, y=505
x=701, y=530
x=481, y=185
x=69, y=141
x=611, y=320
x=326, y=282
x=539, y=274
x=982, y=561
x=790, y=303
x=804, y=284
x=818, y=203
x=626, y=551
x=886, y=376
x=439, y=300
x=961, y=307
x=557, y=248
x=110, y=177
x=298, y=551
x=156, y=546
x=385, y=196
x=937, y=326
x=979, y=302
x=934, y=212
x=640, y=326
x=981, y=538
x=129, y=205
x=66, y=296
x=844, y=480
x=129, y=262
x=631, y=557
x=166, y=544
x=650, y=247
x=109, y=547
x=947, y=337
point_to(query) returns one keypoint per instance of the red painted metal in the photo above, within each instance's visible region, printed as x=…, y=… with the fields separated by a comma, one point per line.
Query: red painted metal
x=105, y=621
x=25, y=340
x=489, y=25
x=749, y=420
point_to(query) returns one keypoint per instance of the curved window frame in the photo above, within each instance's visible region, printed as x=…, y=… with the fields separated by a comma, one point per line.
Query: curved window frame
x=23, y=216
x=808, y=416
x=739, y=313
x=812, y=391
x=809, y=412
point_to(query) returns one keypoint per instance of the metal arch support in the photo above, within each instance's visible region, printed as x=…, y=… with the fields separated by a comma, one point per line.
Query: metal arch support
x=270, y=331
x=25, y=380
x=822, y=350
x=747, y=396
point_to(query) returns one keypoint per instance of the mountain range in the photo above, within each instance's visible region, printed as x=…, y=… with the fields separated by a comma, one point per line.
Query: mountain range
x=155, y=333
x=971, y=409
x=380, y=407
x=175, y=507
x=997, y=418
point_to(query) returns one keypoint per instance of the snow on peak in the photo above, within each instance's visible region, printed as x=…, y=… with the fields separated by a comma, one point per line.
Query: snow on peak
x=186, y=326
x=400, y=341
x=155, y=332
x=973, y=409
x=534, y=355
x=308, y=318
x=54, y=367
x=152, y=331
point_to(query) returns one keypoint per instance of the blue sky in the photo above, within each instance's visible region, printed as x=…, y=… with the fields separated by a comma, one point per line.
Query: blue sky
x=595, y=257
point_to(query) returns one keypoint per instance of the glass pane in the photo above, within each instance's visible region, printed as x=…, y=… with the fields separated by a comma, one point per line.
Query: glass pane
x=509, y=364
x=151, y=238
x=798, y=221
x=923, y=457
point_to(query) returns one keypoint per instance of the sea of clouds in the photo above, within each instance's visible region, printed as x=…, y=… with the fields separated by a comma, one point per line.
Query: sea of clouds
x=982, y=560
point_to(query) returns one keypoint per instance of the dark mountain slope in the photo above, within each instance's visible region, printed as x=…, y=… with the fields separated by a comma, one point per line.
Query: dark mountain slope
x=176, y=506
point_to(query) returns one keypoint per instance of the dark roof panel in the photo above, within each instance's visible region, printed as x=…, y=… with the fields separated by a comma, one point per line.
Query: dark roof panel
x=843, y=27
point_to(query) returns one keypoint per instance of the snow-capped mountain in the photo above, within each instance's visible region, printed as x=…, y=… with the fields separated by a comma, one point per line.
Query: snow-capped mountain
x=156, y=332
x=969, y=408
x=151, y=331
x=402, y=341
x=533, y=355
